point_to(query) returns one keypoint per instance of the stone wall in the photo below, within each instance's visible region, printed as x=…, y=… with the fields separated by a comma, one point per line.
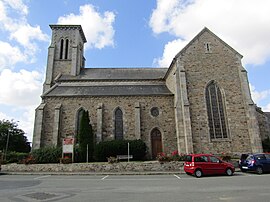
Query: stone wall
x=221, y=64
x=264, y=123
x=122, y=167
x=165, y=121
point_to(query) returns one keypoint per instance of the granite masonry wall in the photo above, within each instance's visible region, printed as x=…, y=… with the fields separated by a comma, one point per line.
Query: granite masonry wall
x=165, y=121
x=219, y=63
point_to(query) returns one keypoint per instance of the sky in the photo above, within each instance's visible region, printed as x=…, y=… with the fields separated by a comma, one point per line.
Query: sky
x=124, y=33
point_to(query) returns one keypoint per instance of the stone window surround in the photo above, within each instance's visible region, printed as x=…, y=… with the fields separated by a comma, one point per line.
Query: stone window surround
x=228, y=138
x=64, y=44
x=123, y=121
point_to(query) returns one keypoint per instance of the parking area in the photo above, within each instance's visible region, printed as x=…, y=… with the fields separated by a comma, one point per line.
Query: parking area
x=174, y=187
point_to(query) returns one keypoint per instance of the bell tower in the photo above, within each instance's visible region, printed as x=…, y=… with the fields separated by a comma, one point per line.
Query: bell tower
x=65, y=53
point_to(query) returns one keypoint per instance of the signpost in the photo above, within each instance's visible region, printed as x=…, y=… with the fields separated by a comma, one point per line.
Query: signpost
x=68, y=147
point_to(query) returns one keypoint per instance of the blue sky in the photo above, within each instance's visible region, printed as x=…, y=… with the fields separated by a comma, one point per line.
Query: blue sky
x=124, y=33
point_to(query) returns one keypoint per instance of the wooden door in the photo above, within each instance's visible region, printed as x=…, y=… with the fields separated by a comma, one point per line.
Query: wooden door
x=156, y=142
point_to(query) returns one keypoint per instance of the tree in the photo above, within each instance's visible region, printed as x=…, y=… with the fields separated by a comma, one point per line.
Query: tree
x=15, y=137
x=85, y=137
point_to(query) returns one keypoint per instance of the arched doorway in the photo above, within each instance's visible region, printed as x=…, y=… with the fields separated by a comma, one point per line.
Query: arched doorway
x=156, y=142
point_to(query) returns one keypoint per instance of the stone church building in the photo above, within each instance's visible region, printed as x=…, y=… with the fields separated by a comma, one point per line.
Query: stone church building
x=200, y=103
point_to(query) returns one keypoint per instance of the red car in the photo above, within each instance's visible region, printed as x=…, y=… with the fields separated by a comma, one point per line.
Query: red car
x=206, y=164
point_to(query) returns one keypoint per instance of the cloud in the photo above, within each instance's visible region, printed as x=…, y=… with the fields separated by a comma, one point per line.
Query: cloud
x=244, y=24
x=97, y=27
x=258, y=96
x=21, y=92
x=17, y=5
x=18, y=31
x=24, y=34
x=170, y=50
x=10, y=55
x=21, y=89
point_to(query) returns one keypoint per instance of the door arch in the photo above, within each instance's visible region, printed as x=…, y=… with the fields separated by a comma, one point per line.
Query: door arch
x=156, y=142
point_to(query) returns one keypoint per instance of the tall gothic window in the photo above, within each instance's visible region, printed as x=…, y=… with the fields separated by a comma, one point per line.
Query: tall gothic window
x=61, y=48
x=216, y=112
x=66, y=49
x=78, y=121
x=118, y=124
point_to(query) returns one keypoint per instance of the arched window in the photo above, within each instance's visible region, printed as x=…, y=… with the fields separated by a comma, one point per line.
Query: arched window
x=61, y=48
x=118, y=124
x=78, y=121
x=64, y=44
x=66, y=49
x=215, y=112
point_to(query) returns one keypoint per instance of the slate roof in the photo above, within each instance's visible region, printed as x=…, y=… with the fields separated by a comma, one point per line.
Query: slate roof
x=108, y=90
x=117, y=74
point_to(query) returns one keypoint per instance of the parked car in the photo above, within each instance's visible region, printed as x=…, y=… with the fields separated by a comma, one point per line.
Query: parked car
x=243, y=157
x=206, y=164
x=258, y=163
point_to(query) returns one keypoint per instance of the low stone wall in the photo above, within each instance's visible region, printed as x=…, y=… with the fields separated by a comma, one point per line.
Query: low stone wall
x=120, y=167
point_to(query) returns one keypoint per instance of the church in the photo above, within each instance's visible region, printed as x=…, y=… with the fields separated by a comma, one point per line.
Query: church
x=201, y=103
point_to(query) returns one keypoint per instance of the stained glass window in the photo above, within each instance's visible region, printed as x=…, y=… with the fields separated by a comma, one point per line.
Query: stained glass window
x=215, y=112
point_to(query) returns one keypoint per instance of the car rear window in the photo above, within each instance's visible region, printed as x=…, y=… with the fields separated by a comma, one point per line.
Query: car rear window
x=188, y=158
x=244, y=156
x=250, y=157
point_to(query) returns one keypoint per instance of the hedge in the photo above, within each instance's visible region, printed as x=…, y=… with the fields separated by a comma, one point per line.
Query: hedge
x=106, y=149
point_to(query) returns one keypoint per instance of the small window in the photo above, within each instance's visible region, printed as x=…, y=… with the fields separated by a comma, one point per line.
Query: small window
x=154, y=111
x=207, y=47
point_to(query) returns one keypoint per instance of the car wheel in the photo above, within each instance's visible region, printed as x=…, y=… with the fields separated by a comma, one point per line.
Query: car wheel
x=229, y=172
x=259, y=170
x=198, y=173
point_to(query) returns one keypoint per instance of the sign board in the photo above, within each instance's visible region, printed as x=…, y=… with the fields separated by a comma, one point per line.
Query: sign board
x=68, y=144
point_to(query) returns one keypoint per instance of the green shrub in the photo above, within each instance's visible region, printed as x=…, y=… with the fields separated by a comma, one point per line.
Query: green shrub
x=15, y=157
x=104, y=150
x=47, y=154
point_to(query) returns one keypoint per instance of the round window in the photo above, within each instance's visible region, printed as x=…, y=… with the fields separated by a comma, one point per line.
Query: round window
x=154, y=111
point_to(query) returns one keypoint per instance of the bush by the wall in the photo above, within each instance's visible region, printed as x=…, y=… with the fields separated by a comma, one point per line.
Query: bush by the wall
x=112, y=148
x=47, y=155
x=15, y=157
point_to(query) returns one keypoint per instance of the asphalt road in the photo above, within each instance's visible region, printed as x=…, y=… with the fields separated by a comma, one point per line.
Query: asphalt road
x=73, y=188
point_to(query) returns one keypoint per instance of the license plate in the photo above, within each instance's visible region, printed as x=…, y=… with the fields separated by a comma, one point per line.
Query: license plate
x=244, y=167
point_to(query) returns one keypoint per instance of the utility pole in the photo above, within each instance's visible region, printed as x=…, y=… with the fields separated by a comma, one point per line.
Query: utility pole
x=7, y=144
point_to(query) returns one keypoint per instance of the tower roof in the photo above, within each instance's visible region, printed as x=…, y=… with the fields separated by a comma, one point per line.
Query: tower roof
x=78, y=27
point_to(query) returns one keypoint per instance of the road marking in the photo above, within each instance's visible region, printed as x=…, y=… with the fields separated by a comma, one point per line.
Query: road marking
x=104, y=177
x=37, y=178
x=177, y=177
